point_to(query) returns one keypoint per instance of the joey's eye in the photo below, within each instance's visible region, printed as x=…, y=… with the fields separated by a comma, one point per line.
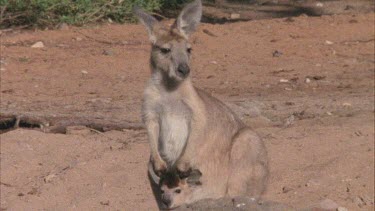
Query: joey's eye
x=178, y=191
x=165, y=50
x=189, y=50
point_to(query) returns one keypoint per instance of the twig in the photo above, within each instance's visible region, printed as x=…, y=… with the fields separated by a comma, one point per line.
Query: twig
x=157, y=14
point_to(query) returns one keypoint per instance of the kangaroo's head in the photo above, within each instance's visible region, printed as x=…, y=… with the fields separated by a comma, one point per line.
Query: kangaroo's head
x=171, y=51
x=177, y=190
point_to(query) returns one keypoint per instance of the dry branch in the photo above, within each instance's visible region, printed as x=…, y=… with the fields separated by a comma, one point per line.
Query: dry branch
x=58, y=124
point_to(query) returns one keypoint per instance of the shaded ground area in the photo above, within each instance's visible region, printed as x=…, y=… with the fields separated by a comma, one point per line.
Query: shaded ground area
x=305, y=84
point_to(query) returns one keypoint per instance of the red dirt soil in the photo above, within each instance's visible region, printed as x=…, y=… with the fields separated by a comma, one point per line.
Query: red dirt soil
x=305, y=84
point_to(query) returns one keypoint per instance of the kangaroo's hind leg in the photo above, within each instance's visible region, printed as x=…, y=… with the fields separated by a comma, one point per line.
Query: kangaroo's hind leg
x=248, y=165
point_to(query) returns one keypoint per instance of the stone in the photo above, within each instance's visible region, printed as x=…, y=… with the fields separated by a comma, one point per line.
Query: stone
x=38, y=44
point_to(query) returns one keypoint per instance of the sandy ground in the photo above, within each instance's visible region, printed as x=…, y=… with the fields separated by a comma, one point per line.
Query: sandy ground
x=305, y=84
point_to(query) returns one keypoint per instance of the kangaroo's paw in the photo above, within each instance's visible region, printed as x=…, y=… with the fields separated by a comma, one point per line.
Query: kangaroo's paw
x=183, y=170
x=160, y=167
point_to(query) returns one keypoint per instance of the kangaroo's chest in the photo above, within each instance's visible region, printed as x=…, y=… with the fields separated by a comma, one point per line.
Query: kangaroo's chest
x=174, y=120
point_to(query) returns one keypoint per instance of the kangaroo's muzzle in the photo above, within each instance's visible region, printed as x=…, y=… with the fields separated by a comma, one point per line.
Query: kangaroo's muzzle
x=183, y=70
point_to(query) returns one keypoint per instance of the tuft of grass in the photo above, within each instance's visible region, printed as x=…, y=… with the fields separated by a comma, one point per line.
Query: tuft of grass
x=44, y=13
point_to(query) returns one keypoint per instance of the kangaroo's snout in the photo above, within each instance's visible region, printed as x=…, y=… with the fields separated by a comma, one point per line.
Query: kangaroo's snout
x=183, y=70
x=166, y=202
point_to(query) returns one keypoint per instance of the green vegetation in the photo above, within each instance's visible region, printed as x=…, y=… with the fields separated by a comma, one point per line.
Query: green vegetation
x=42, y=13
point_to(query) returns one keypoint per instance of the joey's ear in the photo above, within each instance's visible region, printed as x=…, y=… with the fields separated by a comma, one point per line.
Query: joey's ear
x=147, y=20
x=189, y=18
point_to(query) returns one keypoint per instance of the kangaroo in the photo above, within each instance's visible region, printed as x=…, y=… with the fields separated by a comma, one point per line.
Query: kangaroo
x=188, y=128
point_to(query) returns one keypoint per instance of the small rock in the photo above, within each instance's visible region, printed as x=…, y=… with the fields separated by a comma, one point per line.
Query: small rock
x=284, y=80
x=289, y=19
x=319, y=4
x=329, y=42
x=342, y=209
x=277, y=53
x=2, y=69
x=38, y=44
x=318, y=77
x=107, y=52
x=307, y=80
x=79, y=39
x=62, y=26
x=349, y=7
x=287, y=189
x=110, y=20
x=84, y=72
x=213, y=62
x=289, y=121
x=20, y=194
x=235, y=16
x=33, y=191
x=49, y=178
x=359, y=201
x=328, y=204
x=240, y=205
x=106, y=203
x=347, y=105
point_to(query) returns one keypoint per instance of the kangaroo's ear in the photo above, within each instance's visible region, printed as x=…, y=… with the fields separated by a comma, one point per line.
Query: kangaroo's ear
x=189, y=18
x=147, y=20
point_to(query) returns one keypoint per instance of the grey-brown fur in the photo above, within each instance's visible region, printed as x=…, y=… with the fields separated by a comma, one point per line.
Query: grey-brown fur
x=189, y=129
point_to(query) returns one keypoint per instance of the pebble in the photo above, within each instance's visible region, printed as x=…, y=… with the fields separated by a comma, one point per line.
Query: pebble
x=84, y=72
x=49, y=178
x=289, y=121
x=38, y=44
x=287, y=189
x=107, y=52
x=106, y=203
x=329, y=42
x=284, y=80
x=342, y=209
x=240, y=205
x=63, y=26
x=234, y=16
x=277, y=53
x=307, y=80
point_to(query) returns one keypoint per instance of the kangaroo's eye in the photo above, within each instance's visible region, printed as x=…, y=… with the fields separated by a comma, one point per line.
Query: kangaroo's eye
x=189, y=50
x=165, y=50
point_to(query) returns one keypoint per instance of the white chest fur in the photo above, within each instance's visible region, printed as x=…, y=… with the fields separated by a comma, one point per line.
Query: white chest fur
x=174, y=129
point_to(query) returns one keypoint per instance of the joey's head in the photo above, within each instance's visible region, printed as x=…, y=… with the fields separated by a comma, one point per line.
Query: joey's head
x=171, y=50
x=176, y=190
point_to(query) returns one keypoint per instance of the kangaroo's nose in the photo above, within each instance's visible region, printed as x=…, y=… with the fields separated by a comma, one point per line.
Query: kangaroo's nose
x=183, y=70
x=166, y=202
